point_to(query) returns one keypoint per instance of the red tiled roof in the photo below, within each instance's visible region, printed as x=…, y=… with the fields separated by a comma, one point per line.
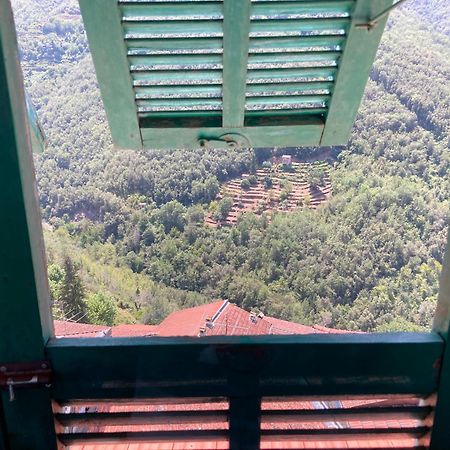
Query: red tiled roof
x=322, y=329
x=284, y=327
x=213, y=319
x=235, y=321
x=64, y=328
x=136, y=330
x=219, y=318
x=226, y=319
x=187, y=322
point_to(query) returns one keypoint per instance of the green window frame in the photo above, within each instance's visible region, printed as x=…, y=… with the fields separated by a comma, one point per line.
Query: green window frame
x=241, y=368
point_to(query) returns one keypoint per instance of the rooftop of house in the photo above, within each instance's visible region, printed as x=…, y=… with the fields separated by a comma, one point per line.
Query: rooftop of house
x=219, y=318
x=67, y=329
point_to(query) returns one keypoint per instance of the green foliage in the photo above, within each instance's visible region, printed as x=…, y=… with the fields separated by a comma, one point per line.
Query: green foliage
x=55, y=279
x=245, y=184
x=284, y=195
x=101, y=309
x=248, y=292
x=195, y=215
x=101, y=270
x=399, y=324
x=171, y=215
x=253, y=180
x=267, y=182
x=223, y=209
x=267, y=165
x=70, y=300
x=316, y=176
x=367, y=260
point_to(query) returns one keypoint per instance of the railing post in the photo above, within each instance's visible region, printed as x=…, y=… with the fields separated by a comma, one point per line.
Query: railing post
x=440, y=436
x=245, y=420
x=25, y=318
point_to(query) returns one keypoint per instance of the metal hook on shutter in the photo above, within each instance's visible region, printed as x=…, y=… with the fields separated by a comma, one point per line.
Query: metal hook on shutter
x=372, y=23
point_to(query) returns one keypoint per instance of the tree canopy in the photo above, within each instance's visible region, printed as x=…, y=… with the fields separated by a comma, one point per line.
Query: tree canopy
x=133, y=222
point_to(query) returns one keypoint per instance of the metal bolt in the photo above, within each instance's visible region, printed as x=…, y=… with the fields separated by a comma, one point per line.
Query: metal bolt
x=43, y=366
x=3, y=369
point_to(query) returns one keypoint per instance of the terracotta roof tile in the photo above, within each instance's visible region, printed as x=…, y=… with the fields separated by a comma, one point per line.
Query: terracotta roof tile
x=284, y=327
x=235, y=321
x=187, y=322
x=213, y=319
x=67, y=329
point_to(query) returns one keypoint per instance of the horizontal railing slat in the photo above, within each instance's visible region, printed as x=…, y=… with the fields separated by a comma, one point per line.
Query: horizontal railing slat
x=394, y=363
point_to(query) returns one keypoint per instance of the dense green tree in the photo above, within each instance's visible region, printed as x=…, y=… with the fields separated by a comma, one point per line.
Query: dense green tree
x=223, y=209
x=316, y=176
x=101, y=309
x=172, y=215
x=72, y=293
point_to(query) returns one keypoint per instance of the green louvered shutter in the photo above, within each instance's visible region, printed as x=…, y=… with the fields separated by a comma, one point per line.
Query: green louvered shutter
x=189, y=73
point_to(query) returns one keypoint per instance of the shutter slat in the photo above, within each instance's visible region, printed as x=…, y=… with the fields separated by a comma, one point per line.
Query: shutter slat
x=338, y=8
x=287, y=88
x=177, y=77
x=150, y=92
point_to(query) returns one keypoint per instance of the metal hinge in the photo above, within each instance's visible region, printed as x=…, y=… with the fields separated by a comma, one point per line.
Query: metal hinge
x=23, y=375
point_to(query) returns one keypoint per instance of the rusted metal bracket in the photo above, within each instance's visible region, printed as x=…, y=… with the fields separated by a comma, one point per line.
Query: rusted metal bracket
x=23, y=375
x=372, y=23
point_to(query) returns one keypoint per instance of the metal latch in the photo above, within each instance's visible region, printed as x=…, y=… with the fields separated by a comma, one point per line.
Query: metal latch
x=22, y=375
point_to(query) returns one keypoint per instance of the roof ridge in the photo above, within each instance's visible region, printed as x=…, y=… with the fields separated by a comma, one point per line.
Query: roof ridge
x=220, y=311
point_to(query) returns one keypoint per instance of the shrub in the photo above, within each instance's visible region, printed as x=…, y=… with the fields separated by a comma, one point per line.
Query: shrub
x=101, y=309
x=245, y=184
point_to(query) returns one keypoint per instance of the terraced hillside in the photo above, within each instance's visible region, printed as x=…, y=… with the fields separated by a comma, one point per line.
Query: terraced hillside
x=274, y=187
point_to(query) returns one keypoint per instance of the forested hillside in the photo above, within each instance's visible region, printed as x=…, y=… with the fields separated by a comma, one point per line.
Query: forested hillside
x=368, y=259
x=435, y=12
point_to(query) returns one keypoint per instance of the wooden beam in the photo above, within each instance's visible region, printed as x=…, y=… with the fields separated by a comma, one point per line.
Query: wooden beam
x=354, y=68
x=25, y=319
x=392, y=363
x=283, y=133
x=147, y=437
x=102, y=21
x=381, y=433
x=236, y=28
x=95, y=419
